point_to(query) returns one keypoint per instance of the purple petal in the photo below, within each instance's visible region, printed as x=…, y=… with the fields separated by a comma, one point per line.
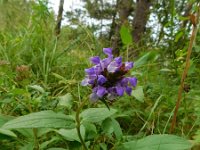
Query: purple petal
x=113, y=66
x=90, y=71
x=133, y=81
x=101, y=91
x=94, y=97
x=107, y=51
x=91, y=82
x=128, y=65
x=128, y=90
x=98, y=69
x=92, y=77
x=105, y=62
x=85, y=82
x=120, y=90
x=118, y=60
x=124, y=82
x=95, y=60
x=101, y=80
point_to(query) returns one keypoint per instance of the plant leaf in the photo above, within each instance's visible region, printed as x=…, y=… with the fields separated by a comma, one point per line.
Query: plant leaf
x=8, y=133
x=43, y=119
x=138, y=93
x=71, y=134
x=158, y=142
x=96, y=114
x=125, y=35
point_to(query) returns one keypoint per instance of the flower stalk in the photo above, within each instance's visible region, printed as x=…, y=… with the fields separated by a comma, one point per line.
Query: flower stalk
x=194, y=21
x=78, y=124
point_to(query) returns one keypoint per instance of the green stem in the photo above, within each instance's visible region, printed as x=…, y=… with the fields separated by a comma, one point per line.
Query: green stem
x=78, y=125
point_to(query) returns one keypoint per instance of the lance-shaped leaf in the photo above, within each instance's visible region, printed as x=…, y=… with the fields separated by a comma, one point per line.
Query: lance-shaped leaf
x=43, y=119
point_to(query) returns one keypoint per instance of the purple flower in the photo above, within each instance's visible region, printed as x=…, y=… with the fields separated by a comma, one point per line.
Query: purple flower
x=101, y=80
x=95, y=60
x=90, y=71
x=120, y=90
x=133, y=81
x=107, y=77
x=101, y=91
x=113, y=67
x=107, y=51
x=128, y=90
x=128, y=65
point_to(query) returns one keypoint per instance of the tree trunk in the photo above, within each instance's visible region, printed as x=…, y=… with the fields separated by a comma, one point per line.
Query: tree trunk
x=140, y=19
x=124, y=9
x=59, y=18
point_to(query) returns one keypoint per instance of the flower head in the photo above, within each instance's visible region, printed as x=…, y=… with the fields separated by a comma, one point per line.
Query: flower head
x=107, y=77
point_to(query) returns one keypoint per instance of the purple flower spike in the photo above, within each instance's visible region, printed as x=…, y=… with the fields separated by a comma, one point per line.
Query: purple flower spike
x=95, y=60
x=107, y=51
x=128, y=65
x=101, y=80
x=107, y=77
x=133, y=81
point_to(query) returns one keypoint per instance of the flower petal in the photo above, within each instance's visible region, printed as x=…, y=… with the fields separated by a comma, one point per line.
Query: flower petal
x=95, y=60
x=85, y=82
x=93, y=97
x=118, y=60
x=105, y=62
x=107, y=51
x=90, y=71
x=113, y=66
x=124, y=82
x=128, y=90
x=133, y=81
x=128, y=65
x=101, y=80
x=101, y=91
x=120, y=90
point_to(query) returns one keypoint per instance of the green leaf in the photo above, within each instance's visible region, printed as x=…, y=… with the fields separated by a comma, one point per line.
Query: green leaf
x=17, y=91
x=37, y=88
x=90, y=130
x=28, y=146
x=178, y=36
x=96, y=114
x=125, y=35
x=43, y=119
x=8, y=133
x=4, y=119
x=138, y=93
x=56, y=148
x=107, y=126
x=158, y=142
x=71, y=134
x=146, y=58
x=65, y=100
x=46, y=143
x=110, y=125
x=117, y=129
